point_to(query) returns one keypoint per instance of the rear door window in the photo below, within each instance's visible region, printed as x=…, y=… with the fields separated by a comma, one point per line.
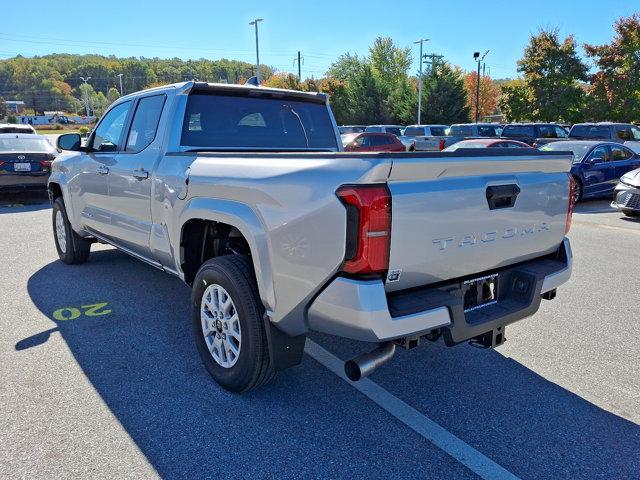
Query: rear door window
x=547, y=131
x=486, y=131
x=414, y=131
x=394, y=130
x=246, y=122
x=620, y=153
x=461, y=130
x=145, y=123
x=438, y=131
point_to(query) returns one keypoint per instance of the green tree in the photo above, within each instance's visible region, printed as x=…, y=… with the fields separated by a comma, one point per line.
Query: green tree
x=615, y=87
x=444, y=96
x=283, y=80
x=515, y=100
x=346, y=67
x=364, y=97
x=552, y=70
x=3, y=108
x=112, y=95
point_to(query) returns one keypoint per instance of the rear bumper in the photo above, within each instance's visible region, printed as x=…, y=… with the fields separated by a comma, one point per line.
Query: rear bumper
x=362, y=310
x=10, y=182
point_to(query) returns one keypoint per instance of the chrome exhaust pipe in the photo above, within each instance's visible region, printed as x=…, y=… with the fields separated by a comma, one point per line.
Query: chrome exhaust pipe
x=363, y=365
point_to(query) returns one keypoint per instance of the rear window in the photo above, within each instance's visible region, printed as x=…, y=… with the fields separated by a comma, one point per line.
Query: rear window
x=438, y=131
x=589, y=131
x=487, y=131
x=394, y=130
x=461, y=131
x=518, y=131
x=225, y=121
x=16, y=129
x=414, y=131
x=25, y=145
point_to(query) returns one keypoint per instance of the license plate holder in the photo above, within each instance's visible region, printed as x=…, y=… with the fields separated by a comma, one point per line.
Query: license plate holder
x=480, y=292
x=21, y=167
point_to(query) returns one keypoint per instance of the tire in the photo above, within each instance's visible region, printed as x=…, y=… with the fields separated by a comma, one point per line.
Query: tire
x=251, y=366
x=72, y=248
x=577, y=195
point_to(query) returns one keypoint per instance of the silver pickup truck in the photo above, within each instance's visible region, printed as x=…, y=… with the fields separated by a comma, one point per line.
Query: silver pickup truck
x=244, y=193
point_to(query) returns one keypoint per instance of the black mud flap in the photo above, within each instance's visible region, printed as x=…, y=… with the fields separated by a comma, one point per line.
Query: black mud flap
x=285, y=351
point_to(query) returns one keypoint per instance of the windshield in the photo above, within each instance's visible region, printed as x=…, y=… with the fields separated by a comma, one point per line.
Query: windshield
x=25, y=145
x=579, y=150
x=518, y=131
x=348, y=138
x=461, y=130
x=590, y=131
x=237, y=122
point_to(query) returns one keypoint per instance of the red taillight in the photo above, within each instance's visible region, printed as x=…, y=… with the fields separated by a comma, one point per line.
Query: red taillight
x=368, y=228
x=572, y=189
x=441, y=144
x=1, y=163
x=45, y=163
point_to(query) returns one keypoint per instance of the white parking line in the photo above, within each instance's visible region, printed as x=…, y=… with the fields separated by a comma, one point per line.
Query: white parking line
x=427, y=428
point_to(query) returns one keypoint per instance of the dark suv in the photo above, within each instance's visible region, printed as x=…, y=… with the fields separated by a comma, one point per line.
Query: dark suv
x=614, y=132
x=535, y=134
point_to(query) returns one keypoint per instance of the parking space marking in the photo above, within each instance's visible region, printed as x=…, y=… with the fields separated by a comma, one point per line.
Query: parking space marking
x=71, y=313
x=424, y=426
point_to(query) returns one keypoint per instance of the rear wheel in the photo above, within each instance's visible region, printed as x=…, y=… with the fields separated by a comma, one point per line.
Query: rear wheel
x=228, y=325
x=71, y=247
x=577, y=191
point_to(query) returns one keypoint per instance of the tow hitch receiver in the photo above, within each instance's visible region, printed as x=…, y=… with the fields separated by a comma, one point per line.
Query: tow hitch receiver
x=491, y=339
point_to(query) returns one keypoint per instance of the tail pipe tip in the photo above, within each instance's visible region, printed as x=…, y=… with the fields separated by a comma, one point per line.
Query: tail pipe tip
x=364, y=364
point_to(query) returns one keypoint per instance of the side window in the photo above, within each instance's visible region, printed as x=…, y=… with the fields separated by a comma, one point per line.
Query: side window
x=109, y=132
x=560, y=132
x=486, y=131
x=624, y=133
x=620, y=153
x=145, y=123
x=547, y=131
x=600, y=152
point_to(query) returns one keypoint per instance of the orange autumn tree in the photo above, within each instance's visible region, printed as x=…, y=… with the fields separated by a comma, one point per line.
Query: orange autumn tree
x=489, y=94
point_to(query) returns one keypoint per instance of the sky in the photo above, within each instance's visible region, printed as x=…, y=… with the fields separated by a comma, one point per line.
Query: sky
x=322, y=31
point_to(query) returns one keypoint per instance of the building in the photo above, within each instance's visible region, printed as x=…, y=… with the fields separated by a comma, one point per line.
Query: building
x=15, y=106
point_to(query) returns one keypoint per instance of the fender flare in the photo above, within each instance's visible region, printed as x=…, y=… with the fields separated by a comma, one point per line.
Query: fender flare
x=246, y=220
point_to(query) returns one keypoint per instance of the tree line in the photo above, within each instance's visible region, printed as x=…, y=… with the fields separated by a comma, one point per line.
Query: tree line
x=555, y=83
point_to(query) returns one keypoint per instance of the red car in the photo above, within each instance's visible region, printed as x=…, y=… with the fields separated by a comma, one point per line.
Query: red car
x=486, y=143
x=372, y=142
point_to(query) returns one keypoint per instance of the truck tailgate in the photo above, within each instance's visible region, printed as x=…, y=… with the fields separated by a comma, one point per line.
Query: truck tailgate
x=460, y=214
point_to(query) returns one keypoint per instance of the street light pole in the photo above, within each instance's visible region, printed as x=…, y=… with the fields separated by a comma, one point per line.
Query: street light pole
x=121, y=89
x=86, y=94
x=255, y=23
x=421, y=41
x=476, y=56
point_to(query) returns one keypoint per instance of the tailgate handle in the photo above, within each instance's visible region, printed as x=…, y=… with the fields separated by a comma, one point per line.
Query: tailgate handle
x=502, y=196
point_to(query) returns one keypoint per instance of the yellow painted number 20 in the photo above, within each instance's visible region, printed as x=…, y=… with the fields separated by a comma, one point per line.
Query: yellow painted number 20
x=71, y=313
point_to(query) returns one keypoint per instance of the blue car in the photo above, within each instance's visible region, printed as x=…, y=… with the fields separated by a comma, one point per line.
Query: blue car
x=597, y=165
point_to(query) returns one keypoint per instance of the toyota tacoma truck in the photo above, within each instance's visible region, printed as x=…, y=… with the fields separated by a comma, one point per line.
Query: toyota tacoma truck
x=244, y=194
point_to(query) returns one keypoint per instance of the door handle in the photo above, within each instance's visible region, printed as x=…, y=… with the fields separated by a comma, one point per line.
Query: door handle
x=102, y=170
x=140, y=174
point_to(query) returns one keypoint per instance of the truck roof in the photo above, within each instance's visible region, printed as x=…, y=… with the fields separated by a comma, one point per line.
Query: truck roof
x=186, y=87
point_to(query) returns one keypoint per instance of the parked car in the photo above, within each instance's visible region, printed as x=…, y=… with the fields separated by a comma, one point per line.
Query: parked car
x=597, y=166
x=25, y=161
x=372, y=142
x=244, y=193
x=344, y=129
x=16, y=128
x=625, y=133
x=464, y=131
x=424, y=137
x=535, y=134
x=627, y=194
x=486, y=143
x=395, y=129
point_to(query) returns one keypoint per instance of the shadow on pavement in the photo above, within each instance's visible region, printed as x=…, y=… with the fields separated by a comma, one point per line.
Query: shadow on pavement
x=29, y=201
x=597, y=205
x=308, y=423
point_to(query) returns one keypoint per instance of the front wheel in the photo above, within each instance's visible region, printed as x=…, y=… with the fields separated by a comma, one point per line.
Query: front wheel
x=72, y=248
x=228, y=324
x=577, y=191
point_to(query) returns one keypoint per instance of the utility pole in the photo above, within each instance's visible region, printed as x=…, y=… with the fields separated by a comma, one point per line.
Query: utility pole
x=86, y=94
x=121, y=89
x=421, y=41
x=255, y=23
x=299, y=60
x=476, y=56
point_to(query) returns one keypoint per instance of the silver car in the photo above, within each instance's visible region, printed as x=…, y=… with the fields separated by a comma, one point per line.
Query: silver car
x=627, y=194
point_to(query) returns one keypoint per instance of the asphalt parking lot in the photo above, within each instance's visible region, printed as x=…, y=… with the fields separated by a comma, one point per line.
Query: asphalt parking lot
x=101, y=379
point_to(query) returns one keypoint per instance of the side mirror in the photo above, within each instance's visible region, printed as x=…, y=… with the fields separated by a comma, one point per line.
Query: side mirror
x=69, y=141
